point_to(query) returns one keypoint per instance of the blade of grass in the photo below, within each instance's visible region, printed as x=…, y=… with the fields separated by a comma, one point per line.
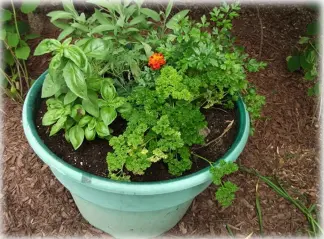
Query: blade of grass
x=314, y=225
x=229, y=230
x=258, y=208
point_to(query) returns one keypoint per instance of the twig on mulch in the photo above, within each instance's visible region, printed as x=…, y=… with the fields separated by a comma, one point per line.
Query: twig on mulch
x=229, y=126
x=261, y=27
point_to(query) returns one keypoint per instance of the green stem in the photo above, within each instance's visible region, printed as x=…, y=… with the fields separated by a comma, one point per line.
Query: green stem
x=18, y=33
x=26, y=74
x=315, y=49
x=201, y=157
x=15, y=18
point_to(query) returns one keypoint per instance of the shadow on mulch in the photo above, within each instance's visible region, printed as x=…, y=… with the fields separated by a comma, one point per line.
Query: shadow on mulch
x=284, y=144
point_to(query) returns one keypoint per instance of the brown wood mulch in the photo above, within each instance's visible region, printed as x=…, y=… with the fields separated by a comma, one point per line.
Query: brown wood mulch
x=36, y=204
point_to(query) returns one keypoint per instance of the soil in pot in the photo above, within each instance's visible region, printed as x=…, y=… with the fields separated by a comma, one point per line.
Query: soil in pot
x=91, y=156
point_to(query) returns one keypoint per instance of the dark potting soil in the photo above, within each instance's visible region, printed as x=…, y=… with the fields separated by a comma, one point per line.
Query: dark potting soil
x=91, y=156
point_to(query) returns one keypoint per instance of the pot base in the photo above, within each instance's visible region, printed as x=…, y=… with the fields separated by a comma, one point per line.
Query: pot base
x=124, y=224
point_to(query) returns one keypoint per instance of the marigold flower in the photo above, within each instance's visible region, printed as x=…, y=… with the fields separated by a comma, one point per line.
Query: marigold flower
x=156, y=61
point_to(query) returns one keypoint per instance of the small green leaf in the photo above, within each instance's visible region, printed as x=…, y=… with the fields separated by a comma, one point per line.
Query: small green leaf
x=49, y=87
x=102, y=129
x=13, y=39
x=76, y=136
x=108, y=91
x=293, y=63
x=31, y=36
x=168, y=9
x=85, y=120
x=125, y=108
x=312, y=28
x=6, y=15
x=46, y=46
x=103, y=28
x=176, y=18
x=61, y=25
x=29, y=6
x=51, y=116
x=95, y=48
x=9, y=58
x=304, y=63
x=69, y=98
x=92, y=124
x=58, y=126
x=75, y=54
x=23, y=27
x=74, y=79
x=22, y=52
x=81, y=27
x=147, y=49
x=225, y=194
x=77, y=112
x=151, y=13
x=91, y=104
x=101, y=18
x=3, y=34
x=121, y=21
x=90, y=134
x=108, y=115
x=66, y=32
x=137, y=20
x=54, y=15
x=303, y=40
x=309, y=76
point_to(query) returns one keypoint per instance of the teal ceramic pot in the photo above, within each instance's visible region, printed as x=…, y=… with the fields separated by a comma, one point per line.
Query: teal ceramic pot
x=126, y=209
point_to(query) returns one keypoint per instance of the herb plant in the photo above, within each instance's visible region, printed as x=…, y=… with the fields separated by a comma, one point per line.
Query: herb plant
x=14, y=34
x=156, y=72
x=307, y=56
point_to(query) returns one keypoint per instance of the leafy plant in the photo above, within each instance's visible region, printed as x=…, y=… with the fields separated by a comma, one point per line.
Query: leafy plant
x=82, y=102
x=14, y=36
x=307, y=57
x=156, y=72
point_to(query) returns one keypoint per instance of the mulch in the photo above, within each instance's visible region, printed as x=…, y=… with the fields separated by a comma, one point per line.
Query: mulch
x=284, y=144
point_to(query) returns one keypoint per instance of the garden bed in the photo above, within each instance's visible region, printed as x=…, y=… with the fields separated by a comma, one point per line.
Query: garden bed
x=284, y=144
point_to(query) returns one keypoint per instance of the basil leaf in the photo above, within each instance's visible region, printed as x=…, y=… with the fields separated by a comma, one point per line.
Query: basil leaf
x=74, y=79
x=95, y=48
x=50, y=87
x=92, y=124
x=58, y=126
x=125, y=108
x=91, y=104
x=75, y=54
x=108, y=91
x=77, y=112
x=85, y=120
x=46, y=46
x=108, y=115
x=102, y=130
x=51, y=116
x=76, y=136
x=90, y=134
x=70, y=97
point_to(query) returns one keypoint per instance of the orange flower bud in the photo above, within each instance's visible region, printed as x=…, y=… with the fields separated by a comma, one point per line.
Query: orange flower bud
x=156, y=61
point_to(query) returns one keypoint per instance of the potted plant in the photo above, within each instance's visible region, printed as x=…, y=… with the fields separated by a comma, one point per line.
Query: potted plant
x=142, y=84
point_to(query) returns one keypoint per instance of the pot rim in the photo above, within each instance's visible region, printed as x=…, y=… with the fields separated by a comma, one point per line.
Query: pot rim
x=134, y=188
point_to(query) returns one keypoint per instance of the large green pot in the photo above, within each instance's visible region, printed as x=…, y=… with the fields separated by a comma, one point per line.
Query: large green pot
x=123, y=209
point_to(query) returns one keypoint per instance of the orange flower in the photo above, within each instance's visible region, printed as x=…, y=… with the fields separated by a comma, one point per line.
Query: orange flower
x=156, y=61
